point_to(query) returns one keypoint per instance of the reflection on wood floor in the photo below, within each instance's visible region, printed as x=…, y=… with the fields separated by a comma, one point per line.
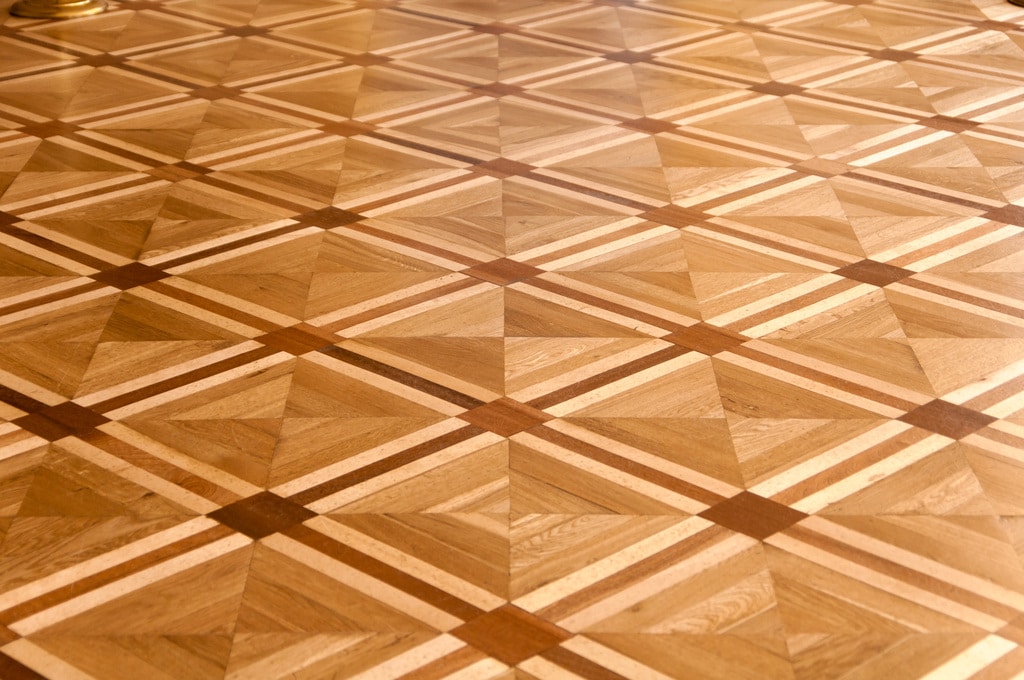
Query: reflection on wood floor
x=513, y=339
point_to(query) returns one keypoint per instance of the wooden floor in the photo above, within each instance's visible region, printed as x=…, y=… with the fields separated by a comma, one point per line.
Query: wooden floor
x=518, y=339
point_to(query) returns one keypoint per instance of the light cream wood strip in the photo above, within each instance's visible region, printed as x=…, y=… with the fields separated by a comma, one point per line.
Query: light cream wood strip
x=484, y=669
x=392, y=386
x=94, y=565
x=191, y=388
x=251, y=159
x=686, y=474
x=165, y=374
x=181, y=96
x=908, y=247
x=709, y=556
x=595, y=368
x=542, y=669
x=235, y=252
x=607, y=250
x=993, y=380
x=841, y=372
x=325, y=474
x=992, y=238
x=43, y=662
x=364, y=583
x=917, y=562
x=296, y=657
x=216, y=160
x=112, y=591
x=613, y=475
x=233, y=302
x=829, y=459
x=607, y=139
x=419, y=308
x=30, y=389
x=887, y=584
x=595, y=572
x=576, y=305
x=47, y=255
x=410, y=366
x=617, y=387
x=213, y=244
x=439, y=578
x=537, y=253
x=973, y=660
x=21, y=446
x=872, y=474
x=808, y=384
x=427, y=196
x=957, y=304
x=808, y=311
x=146, y=480
x=1011, y=453
x=210, y=473
x=612, y=660
x=56, y=305
x=409, y=661
x=758, y=248
x=373, y=303
x=405, y=473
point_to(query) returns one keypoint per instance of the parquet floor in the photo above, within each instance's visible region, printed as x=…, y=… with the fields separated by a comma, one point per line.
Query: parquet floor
x=518, y=339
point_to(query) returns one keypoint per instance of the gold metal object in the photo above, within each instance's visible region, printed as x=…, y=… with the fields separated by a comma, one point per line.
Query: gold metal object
x=1019, y=3
x=57, y=9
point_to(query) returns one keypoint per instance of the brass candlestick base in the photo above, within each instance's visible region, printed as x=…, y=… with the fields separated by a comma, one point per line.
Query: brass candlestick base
x=57, y=9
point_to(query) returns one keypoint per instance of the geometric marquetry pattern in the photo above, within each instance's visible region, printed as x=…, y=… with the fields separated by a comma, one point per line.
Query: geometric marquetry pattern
x=478, y=339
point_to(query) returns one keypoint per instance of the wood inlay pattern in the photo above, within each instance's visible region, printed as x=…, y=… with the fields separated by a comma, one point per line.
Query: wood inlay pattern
x=423, y=339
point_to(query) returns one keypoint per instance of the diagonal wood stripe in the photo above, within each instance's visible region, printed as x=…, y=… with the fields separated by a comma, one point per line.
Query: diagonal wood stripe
x=386, y=573
x=447, y=339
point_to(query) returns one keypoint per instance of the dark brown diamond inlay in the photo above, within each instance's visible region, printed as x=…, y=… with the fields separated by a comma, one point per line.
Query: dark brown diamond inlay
x=348, y=128
x=511, y=634
x=1014, y=630
x=215, y=92
x=651, y=126
x=1008, y=214
x=496, y=28
x=505, y=417
x=329, y=217
x=822, y=167
x=262, y=515
x=503, y=167
x=245, y=31
x=496, y=89
x=675, y=216
x=706, y=339
x=296, y=340
x=875, y=273
x=366, y=59
x=628, y=56
x=753, y=515
x=503, y=271
x=949, y=420
x=63, y=420
x=6, y=635
x=130, y=276
x=15, y=670
x=51, y=128
x=776, y=89
x=98, y=60
x=892, y=55
x=949, y=124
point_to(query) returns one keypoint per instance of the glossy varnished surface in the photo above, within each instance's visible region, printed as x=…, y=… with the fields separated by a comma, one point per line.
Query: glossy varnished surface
x=513, y=339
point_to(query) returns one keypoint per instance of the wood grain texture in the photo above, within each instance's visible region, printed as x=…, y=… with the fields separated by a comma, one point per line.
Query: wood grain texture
x=518, y=340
